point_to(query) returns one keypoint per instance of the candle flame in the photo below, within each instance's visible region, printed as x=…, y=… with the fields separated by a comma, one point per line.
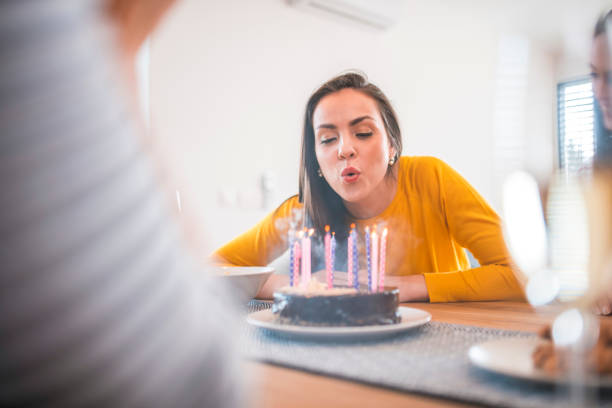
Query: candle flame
x=385, y=231
x=367, y=229
x=301, y=234
x=334, y=233
x=310, y=232
x=327, y=228
x=353, y=226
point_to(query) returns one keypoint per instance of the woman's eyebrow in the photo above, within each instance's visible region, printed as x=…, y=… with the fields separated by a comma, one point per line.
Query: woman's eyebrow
x=351, y=123
x=359, y=119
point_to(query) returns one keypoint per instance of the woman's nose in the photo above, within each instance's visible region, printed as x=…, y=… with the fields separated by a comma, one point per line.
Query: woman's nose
x=346, y=149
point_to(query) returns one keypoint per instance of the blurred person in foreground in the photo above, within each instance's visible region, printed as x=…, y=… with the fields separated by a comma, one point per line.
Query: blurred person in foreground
x=601, y=189
x=100, y=304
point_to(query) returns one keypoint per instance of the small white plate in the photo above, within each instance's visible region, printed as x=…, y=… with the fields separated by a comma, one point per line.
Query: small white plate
x=512, y=357
x=410, y=318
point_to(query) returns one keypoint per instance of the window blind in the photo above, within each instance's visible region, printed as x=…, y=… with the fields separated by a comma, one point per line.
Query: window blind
x=566, y=215
x=576, y=125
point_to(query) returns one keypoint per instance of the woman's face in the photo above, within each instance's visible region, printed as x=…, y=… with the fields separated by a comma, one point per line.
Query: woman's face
x=351, y=145
x=602, y=77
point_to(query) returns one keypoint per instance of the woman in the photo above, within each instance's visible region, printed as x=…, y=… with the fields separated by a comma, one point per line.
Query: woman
x=352, y=171
x=601, y=231
x=601, y=75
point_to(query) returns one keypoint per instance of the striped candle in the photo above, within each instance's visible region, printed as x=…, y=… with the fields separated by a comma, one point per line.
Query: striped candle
x=305, y=253
x=328, y=266
x=368, y=257
x=355, y=259
x=383, y=259
x=291, y=239
x=349, y=256
x=296, y=264
x=333, y=257
x=374, y=245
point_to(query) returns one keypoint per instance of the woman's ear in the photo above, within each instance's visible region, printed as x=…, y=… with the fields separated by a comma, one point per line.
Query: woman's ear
x=392, y=154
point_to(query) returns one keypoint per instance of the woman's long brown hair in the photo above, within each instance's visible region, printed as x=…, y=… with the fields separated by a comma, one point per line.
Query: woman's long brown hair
x=323, y=206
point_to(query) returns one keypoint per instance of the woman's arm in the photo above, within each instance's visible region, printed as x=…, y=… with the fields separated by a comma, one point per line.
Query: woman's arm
x=274, y=282
x=412, y=288
x=263, y=243
x=475, y=226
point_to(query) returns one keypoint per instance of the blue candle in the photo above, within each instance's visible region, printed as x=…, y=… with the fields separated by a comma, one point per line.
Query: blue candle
x=355, y=261
x=368, y=259
x=291, y=258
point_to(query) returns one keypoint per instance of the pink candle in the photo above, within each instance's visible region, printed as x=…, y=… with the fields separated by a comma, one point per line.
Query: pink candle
x=297, y=255
x=304, y=254
x=306, y=271
x=349, y=257
x=374, y=244
x=383, y=258
x=328, y=271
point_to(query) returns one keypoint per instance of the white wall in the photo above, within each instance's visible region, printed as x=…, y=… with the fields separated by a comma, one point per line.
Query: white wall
x=229, y=81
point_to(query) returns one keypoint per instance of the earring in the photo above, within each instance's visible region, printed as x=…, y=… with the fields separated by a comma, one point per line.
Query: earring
x=319, y=173
x=392, y=161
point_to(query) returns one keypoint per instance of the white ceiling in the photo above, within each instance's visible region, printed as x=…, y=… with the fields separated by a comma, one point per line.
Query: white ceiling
x=562, y=26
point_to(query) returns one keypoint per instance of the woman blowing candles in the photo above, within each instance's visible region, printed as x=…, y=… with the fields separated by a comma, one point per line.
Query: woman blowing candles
x=351, y=171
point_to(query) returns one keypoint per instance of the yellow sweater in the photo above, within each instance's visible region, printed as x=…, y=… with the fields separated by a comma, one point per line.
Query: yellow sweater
x=434, y=215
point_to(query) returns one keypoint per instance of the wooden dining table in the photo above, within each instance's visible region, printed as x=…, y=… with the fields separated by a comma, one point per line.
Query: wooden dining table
x=275, y=386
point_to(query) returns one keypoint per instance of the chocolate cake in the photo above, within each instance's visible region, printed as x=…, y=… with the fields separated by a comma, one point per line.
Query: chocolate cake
x=316, y=305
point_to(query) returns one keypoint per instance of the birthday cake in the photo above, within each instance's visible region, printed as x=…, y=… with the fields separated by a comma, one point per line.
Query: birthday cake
x=316, y=305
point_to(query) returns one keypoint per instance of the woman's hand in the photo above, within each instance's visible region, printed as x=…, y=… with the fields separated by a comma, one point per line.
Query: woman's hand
x=603, y=305
x=412, y=288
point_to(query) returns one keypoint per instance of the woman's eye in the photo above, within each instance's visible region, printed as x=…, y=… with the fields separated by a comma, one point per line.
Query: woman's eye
x=327, y=140
x=364, y=134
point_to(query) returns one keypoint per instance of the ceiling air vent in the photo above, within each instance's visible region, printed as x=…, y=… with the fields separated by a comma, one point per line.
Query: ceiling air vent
x=379, y=14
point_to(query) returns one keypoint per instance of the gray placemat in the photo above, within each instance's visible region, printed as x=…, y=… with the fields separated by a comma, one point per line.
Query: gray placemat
x=430, y=360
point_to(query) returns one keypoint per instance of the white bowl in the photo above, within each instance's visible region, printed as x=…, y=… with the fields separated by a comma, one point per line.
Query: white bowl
x=245, y=280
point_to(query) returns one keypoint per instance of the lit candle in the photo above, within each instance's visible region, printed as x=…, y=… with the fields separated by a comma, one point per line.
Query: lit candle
x=306, y=260
x=374, y=245
x=309, y=258
x=355, y=258
x=333, y=257
x=349, y=256
x=383, y=259
x=296, y=265
x=368, y=257
x=328, y=272
x=304, y=253
x=290, y=240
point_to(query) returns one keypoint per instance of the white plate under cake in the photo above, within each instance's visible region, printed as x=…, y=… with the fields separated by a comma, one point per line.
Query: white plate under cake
x=410, y=318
